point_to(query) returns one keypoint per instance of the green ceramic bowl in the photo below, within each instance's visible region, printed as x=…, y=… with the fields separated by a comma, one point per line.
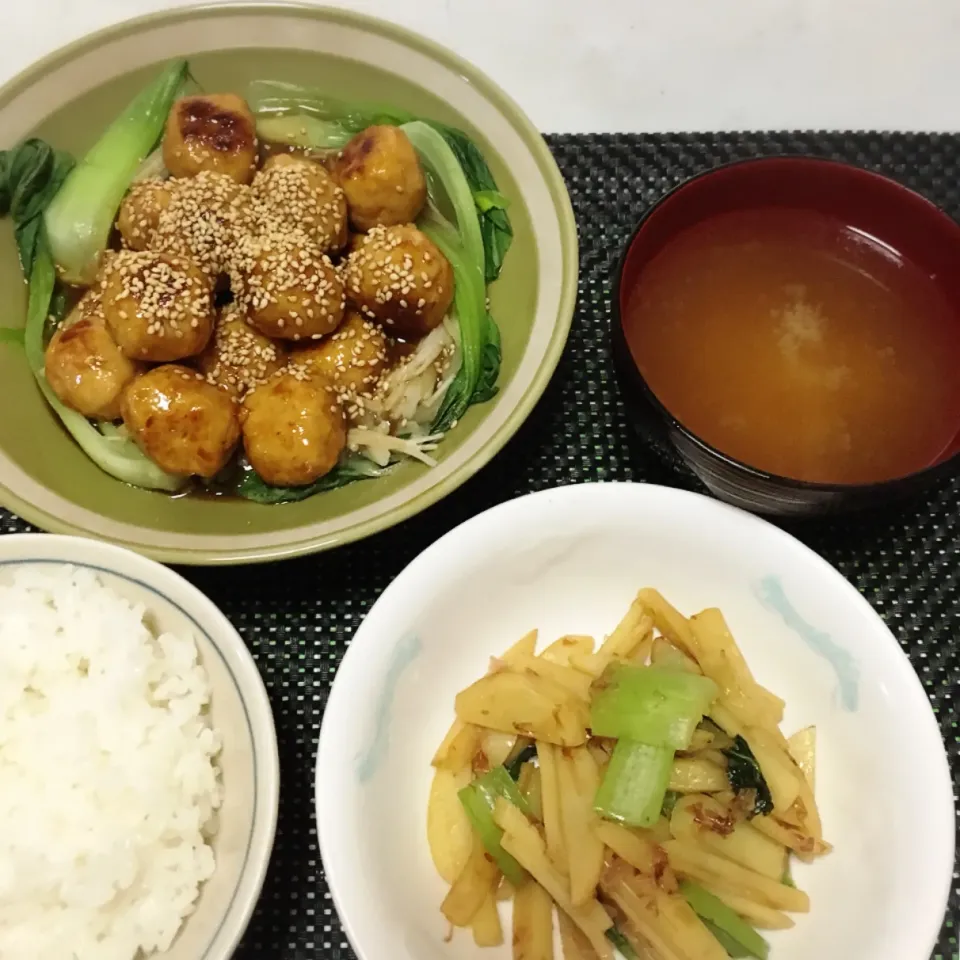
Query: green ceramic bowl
x=70, y=97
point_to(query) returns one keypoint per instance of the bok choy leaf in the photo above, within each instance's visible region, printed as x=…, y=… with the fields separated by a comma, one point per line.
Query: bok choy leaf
x=251, y=487
x=81, y=215
x=743, y=772
x=463, y=246
x=495, y=229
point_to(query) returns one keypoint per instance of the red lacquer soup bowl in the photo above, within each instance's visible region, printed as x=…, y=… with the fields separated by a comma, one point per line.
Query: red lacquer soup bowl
x=910, y=228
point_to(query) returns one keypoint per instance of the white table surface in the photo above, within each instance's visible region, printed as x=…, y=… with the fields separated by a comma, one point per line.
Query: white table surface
x=648, y=65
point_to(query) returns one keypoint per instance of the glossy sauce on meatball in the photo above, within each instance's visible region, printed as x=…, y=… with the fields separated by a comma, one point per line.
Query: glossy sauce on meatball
x=381, y=175
x=184, y=424
x=158, y=307
x=293, y=429
x=398, y=277
x=84, y=366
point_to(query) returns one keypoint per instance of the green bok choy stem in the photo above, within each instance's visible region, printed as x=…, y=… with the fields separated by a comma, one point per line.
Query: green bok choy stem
x=635, y=783
x=80, y=218
x=725, y=921
x=478, y=799
x=652, y=704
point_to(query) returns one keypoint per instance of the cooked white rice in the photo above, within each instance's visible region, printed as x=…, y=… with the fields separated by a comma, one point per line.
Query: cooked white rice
x=108, y=780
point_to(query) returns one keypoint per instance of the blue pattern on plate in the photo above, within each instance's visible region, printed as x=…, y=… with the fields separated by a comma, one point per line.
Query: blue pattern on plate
x=404, y=653
x=771, y=594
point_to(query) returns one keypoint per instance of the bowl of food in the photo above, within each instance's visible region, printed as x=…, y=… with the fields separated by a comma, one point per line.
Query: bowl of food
x=662, y=716
x=787, y=328
x=140, y=774
x=280, y=292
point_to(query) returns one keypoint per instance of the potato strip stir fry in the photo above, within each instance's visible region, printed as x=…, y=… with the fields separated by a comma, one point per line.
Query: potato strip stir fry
x=642, y=787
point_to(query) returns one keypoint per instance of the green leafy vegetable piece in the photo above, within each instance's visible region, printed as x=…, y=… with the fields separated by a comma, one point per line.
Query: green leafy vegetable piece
x=490, y=360
x=487, y=200
x=55, y=313
x=495, y=228
x=654, y=705
x=727, y=926
x=528, y=753
x=81, y=215
x=621, y=943
x=669, y=802
x=250, y=486
x=635, y=783
x=479, y=799
x=30, y=176
x=744, y=773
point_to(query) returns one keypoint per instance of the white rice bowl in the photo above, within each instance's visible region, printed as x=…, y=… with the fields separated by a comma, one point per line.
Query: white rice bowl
x=109, y=783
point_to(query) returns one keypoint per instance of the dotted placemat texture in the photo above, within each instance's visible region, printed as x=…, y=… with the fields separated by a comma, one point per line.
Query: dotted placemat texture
x=298, y=616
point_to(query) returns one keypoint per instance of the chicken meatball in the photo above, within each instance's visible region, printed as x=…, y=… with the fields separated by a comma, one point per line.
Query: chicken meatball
x=238, y=357
x=216, y=133
x=184, y=424
x=140, y=212
x=381, y=175
x=204, y=219
x=289, y=289
x=158, y=307
x=293, y=429
x=353, y=359
x=293, y=191
x=84, y=366
x=399, y=278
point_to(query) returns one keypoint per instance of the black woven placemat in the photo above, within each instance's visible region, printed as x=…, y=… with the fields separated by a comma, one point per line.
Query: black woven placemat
x=299, y=616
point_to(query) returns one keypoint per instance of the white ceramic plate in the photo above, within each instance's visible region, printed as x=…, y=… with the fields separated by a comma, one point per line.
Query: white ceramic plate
x=239, y=708
x=570, y=561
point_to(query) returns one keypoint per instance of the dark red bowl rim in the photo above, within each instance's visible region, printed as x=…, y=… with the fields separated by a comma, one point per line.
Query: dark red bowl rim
x=933, y=472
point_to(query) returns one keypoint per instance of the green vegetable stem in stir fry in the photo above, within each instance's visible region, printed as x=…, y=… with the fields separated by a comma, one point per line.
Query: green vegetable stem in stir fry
x=270, y=296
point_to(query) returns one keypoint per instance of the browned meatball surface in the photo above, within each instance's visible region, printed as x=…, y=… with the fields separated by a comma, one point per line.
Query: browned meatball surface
x=84, y=366
x=399, y=278
x=238, y=357
x=381, y=175
x=215, y=133
x=185, y=425
x=293, y=429
x=157, y=306
x=292, y=191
